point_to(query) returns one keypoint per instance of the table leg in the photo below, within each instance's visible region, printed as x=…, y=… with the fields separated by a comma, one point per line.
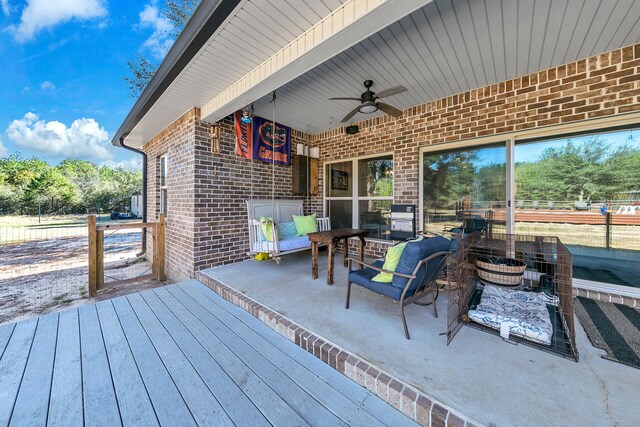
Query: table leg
x=314, y=260
x=362, y=243
x=330, y=263
x=346, y=252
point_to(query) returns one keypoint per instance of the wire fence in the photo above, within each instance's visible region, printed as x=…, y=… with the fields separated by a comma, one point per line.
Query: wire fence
x=44, y=262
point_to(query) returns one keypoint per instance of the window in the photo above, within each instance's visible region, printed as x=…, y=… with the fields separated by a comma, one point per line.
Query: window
x=359, y=194
x=163, y=184
x=583, y=188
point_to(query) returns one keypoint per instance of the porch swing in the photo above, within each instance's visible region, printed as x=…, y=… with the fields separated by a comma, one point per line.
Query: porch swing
x=267, y=217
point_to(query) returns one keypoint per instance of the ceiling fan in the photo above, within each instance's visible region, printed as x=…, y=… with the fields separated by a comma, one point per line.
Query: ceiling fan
x=369, y=101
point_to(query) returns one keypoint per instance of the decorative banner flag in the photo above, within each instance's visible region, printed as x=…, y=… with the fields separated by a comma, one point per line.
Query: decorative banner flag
x=244, y=143
x=264, y=147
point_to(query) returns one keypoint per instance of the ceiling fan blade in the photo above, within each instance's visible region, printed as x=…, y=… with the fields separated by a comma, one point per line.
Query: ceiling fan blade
x=344, y=99
x=389, y=109
x=391, y=91
x=351, y=114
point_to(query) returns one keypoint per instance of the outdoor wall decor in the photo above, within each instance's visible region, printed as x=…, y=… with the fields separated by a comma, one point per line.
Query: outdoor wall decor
x=339, y=180
x=214, y=134
x=257, y=140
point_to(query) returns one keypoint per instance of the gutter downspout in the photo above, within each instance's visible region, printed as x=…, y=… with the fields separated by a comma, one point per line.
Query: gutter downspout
x=144, y=193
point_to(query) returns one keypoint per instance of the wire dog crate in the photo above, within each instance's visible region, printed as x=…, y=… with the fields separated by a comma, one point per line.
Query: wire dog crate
x=518, y=287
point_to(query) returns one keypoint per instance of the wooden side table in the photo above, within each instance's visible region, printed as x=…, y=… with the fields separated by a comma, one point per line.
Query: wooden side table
x=332, y=238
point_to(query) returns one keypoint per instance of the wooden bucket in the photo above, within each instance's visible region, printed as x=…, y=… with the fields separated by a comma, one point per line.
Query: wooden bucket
x=500, y=271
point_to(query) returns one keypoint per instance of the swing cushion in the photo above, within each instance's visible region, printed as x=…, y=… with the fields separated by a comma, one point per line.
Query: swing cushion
x=266, y=225
x=287, y=230
x=305, y=224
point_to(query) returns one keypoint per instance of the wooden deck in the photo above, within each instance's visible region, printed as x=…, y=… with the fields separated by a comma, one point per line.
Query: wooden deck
x=178, y=355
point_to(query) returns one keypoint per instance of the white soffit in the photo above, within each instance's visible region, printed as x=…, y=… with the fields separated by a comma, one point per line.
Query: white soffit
x=451, y=46
x=434, y=48
x=252, y=33
x=348, y=24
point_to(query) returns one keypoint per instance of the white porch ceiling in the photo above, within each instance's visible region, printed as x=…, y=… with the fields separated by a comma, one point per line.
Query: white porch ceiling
x=451, y=46
x=443, y=48
x=252, y=33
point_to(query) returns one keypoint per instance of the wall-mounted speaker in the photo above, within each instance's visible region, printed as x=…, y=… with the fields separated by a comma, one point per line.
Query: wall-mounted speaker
x=352, y=130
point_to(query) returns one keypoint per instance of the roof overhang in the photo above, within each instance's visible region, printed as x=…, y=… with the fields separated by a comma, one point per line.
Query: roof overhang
x=312, y=50
x=206, y=19
x=208, y=68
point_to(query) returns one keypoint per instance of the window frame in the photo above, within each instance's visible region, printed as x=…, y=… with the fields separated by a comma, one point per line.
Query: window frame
x=355, y=197
x=164, y=191
x=510, y=139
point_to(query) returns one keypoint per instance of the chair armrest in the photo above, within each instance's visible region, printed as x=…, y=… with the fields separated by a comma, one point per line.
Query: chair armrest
x=381, y=270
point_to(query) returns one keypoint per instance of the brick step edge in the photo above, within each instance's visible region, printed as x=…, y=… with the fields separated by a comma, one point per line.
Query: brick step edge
x=415, y=404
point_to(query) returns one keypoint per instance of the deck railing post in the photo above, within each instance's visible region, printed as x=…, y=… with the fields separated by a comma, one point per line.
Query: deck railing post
x=100, y=259
x=93, y=256
x=160, y=247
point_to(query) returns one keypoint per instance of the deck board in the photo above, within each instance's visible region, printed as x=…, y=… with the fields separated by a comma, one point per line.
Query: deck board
x=274, y=408
x=168, y=402
x=236, y=404
x=99, y=397
x=65, y=402
x=32, y=402
x=178, y=355
x=305, y=405
x=341, y=405
x=12, y=366
x=133, y=400
x=204, y=407
x=363, y=397
x=5, y=334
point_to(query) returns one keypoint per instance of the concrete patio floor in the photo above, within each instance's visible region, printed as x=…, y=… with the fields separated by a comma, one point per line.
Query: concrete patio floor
x=481, y=376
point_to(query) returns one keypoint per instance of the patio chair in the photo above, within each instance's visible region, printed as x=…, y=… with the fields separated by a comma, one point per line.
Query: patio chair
x=415, y=277
x=472, y=224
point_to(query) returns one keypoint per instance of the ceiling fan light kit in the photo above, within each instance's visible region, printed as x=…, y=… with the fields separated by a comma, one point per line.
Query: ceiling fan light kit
x=368, y=107
x=369, y=101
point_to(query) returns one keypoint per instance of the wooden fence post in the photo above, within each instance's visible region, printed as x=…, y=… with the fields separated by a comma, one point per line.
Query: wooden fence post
x=160, y=247
x=93, y=256
x=100, y=259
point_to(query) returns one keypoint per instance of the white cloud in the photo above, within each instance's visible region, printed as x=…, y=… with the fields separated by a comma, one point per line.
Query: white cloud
x=6, y=9
x=3, y=149
x=133, y=165
x=160, y=40
x=39, y=15
x=47, y=85
x=84, y=139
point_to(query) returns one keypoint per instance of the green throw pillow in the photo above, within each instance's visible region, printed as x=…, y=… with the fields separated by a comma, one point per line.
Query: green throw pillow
x=266, y=225
x=305, y=224
x=390, y=263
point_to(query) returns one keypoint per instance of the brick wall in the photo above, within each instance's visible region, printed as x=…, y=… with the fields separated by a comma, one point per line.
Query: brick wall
x=603, y=85
x=207, y=218
x=222, y=183
x=177, y=142
x=206, y=225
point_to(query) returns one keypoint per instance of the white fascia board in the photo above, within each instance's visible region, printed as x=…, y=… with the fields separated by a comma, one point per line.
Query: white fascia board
x=349, y=24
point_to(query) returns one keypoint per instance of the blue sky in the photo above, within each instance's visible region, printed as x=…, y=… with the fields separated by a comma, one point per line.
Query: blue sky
x=61, y=66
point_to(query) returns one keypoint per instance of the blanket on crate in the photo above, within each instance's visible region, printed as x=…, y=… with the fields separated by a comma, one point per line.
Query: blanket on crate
x=524, y=313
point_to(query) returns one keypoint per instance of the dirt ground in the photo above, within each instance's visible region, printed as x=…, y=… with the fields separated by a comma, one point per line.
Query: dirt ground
x=40, y=276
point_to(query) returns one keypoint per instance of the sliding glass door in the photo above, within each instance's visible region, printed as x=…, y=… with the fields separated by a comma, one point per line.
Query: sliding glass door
x=583, y=189
x=465, y=189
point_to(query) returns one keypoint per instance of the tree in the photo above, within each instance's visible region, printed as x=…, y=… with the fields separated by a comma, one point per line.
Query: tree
x=448, y=178
x=142, y=70
x=589, y=171
x=51, y=190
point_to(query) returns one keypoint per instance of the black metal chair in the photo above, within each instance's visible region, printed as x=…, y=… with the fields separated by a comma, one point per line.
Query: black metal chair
x=414, y=279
